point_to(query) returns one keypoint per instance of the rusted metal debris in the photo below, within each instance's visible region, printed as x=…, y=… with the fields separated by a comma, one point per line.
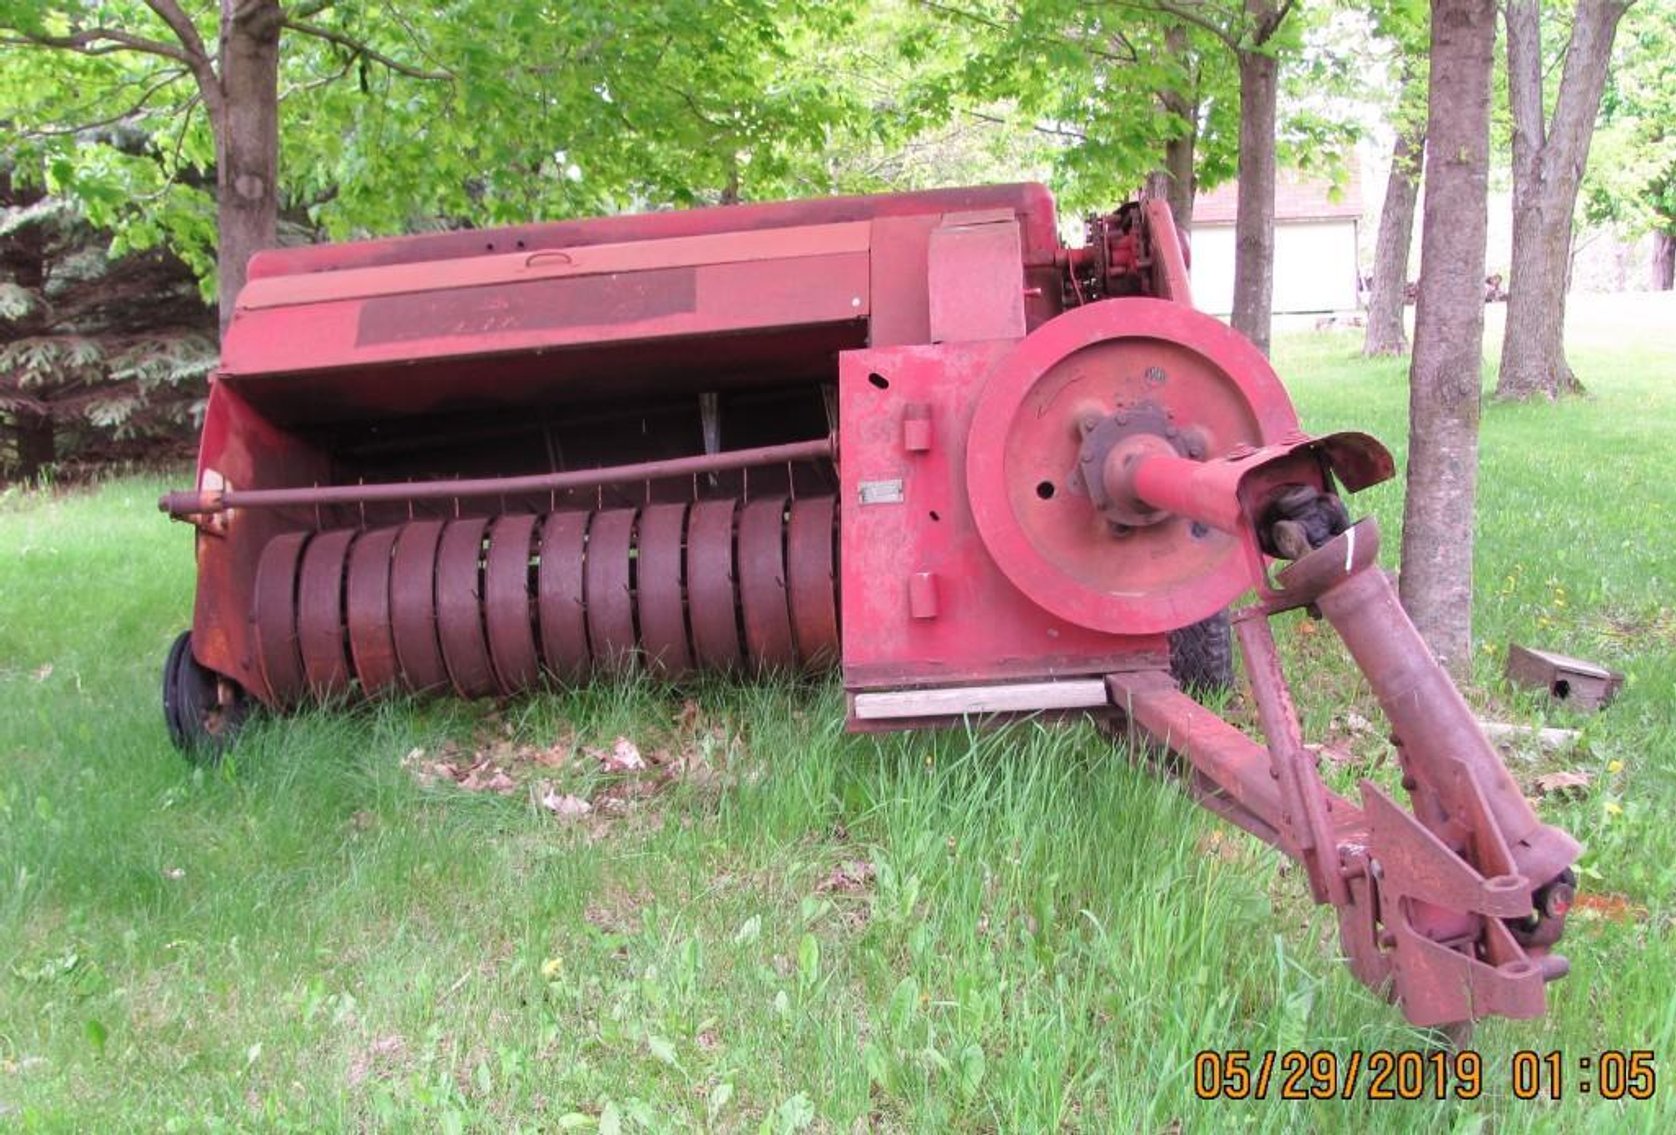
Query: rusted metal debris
x=1579, y=684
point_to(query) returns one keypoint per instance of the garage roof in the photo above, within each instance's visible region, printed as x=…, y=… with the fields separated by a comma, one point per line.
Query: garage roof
x=1297, y=197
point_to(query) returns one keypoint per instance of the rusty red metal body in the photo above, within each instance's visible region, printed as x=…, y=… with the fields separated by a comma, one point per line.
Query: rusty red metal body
x=912, y=436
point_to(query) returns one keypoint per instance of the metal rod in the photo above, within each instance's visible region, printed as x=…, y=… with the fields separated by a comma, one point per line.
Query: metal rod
x=1301, y=791
x=213, y=501
x=1437, y=731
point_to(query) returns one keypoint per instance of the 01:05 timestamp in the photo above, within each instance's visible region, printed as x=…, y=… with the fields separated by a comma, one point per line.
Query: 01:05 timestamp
x=1293, y=1074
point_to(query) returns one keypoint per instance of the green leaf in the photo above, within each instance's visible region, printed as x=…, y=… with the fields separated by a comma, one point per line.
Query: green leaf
x=972, y=1067
x=663, y=1050
x=720, y=1096
x=96, y=1034
x=808, y=962
x=749, y=931
x=796, y=1113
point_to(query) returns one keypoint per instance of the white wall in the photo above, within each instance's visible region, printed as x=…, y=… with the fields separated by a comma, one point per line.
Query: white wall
x=1314, y=266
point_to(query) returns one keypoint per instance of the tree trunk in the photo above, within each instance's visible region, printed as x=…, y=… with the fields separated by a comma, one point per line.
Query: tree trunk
x=37, y=448
x=1396, y=232
x=23, y=262
x=1254, y=216
x=1175, y=181
x=247, y=141
x=1548, y=161
x=1533, y=362
x=1663, y=276
x=1445, y=374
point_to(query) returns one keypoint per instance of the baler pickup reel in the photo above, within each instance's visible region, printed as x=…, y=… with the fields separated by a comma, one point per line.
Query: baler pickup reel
x=909, y=435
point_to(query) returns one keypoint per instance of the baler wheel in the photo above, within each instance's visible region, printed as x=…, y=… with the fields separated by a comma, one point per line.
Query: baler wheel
x=202, y=724
x=1202, y=655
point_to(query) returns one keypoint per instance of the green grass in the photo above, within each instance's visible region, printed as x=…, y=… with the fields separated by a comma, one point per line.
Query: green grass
x=1008, y=931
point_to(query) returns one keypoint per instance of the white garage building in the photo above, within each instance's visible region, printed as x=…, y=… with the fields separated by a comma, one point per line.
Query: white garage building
x=1316, y=254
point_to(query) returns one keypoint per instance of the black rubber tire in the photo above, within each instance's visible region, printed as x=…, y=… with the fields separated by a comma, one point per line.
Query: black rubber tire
x=198, y=725
x=1202, y=655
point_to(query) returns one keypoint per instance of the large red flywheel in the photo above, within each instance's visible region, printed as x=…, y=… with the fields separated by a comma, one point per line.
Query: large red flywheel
x=1154, y=376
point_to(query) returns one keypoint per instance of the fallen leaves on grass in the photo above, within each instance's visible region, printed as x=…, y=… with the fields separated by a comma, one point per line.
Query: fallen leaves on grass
x=1335, y=754
x=847, y=877
x=1568, y=782
x=560, y=804
x=1222, y=845
x=378, y=1059
x=480, y=775
x=609, y=780
x=690, y=716
x=1606, y=907
x=623, y=756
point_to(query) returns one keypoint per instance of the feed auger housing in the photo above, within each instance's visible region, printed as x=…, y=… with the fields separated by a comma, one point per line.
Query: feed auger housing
x=911, y=436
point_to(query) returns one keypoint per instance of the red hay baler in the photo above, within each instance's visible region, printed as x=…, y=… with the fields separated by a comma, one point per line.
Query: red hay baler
x=913, y=436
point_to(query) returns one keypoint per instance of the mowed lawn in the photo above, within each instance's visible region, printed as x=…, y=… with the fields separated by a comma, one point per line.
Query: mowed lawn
x=777, y=926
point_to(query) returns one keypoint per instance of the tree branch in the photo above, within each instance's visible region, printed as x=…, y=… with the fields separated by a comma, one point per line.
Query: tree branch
x=1083, y=42
x=965, y=14
x=1524, y=83
x=180, y=141
x=169, y=76
x=1587, y=58
x=318, y=81
x=1052, y=131
x=195, y=55
x=359, y=48
x=1191, y=13
x=101, y=41
x=181, y=24
x=1271, y=23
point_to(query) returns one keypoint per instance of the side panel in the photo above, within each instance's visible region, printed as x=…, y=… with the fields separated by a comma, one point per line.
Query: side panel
x=547, y=311
x=1032, y=202
x=922, y=602
x=241, y=449
x=976, y=278
x=901, y=312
